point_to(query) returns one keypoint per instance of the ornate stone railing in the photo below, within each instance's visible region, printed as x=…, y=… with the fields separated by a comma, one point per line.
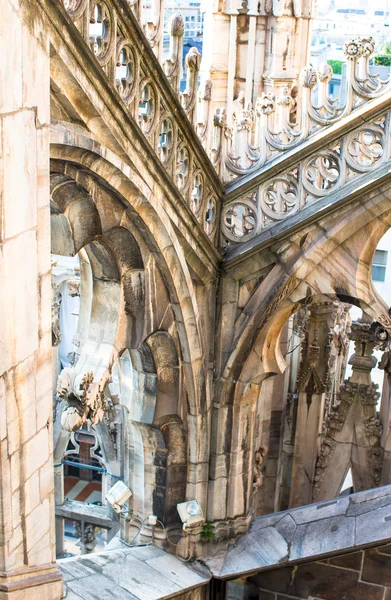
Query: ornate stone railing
x=88, y=520
x=259, y=139
x=111, y=30
x=336, y=158
x=279, y=124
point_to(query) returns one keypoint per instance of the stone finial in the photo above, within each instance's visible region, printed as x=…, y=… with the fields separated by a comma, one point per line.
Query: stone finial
x=244, y=8
x=353, y=48
x=379, y=336
x=207, y=94
x=193, y=59
x=172, y=66
x=266, y=104
x=220, y=118
x=177, y=25
x=189, y=96
x=308, y=77
x=368, y=45
x=325, y=72
x=73, y=287
x=245, y=119
x=284, y=99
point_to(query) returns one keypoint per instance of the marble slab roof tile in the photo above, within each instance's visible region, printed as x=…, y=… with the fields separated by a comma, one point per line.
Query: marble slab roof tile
x=143, y=573
x=309, y=532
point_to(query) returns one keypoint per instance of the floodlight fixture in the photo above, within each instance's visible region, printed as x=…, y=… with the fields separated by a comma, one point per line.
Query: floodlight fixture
x=191, y=514
x=118, y=495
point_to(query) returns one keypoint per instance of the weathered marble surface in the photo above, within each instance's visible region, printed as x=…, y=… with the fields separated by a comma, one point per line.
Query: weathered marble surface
x=80, y=511
x=309, y=532
x=143, y=573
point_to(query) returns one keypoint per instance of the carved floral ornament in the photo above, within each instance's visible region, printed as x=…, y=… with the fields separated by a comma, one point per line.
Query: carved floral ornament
x=359, y=46
x=365, y=147
x=84, y=399
x=266, y=104
x=322, y=173
x=279, y=198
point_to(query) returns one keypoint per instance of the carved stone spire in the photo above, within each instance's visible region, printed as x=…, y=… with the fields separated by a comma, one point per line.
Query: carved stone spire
x=353, y=427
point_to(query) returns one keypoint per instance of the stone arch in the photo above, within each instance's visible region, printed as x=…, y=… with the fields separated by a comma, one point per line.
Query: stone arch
x=74, y=218
x=152, y=218
x=315, y=266
x=154, y=223
x=117, y=308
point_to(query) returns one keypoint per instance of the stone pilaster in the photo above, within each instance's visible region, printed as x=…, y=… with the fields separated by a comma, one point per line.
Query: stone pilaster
x=27, y=555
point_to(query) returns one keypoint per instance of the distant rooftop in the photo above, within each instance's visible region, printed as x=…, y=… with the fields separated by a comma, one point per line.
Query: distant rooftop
x=351, y=11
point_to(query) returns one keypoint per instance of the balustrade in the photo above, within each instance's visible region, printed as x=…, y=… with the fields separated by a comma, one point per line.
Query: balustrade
x=289, y=190
x=109, y=28
x=256, y=137
x=282, y=123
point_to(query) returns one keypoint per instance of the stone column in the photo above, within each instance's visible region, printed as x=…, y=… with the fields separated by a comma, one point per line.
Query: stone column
x=27, y=556
x=297, y=325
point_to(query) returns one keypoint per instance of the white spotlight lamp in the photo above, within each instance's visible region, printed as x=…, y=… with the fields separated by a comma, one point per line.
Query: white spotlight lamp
x=118, y=495
x=190, y=513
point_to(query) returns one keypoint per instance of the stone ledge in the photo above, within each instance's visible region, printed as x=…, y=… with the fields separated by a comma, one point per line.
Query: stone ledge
x=90, y=513
x=35, y=577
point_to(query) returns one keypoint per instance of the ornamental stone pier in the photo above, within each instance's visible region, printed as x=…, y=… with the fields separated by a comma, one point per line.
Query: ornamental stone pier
x=27, y=556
